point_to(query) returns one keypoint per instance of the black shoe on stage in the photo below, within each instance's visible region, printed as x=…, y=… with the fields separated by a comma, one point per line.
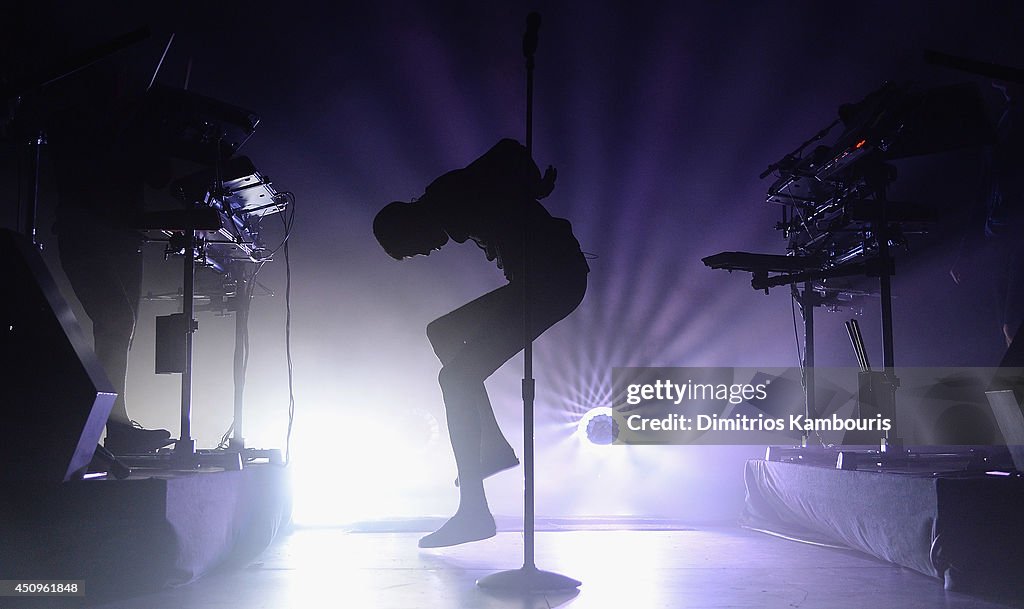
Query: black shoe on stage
x=132, y=438
x=461, y=528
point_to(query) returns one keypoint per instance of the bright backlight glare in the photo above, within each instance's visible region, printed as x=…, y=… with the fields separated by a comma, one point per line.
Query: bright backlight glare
x=362, y=467
x=598, y=426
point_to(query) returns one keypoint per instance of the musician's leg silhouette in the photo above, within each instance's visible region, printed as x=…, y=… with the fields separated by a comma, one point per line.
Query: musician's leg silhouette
x=472, y=342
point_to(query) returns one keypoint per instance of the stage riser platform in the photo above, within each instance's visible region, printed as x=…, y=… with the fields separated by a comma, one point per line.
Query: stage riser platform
x=145, y=533
x=965, y=529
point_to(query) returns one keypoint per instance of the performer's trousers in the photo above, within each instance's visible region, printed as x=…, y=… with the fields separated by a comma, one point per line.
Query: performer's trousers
x=477, y=338
x=104, y=268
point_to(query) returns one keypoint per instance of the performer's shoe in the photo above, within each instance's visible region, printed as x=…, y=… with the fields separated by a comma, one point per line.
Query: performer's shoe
x=127, y=439
x=492, y=464
x=461, y=528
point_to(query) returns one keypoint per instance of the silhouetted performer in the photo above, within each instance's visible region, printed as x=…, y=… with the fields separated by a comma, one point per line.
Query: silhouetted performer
x=1004, y=224
x=100, y=161
x=1002, y=238
x=487, y=202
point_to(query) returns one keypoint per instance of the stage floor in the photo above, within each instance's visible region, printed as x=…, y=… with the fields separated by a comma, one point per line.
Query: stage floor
x=697, y=568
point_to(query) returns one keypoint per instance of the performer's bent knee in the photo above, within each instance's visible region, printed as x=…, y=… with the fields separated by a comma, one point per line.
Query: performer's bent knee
x=453, y=378
x=444, y=346
x=434, y=332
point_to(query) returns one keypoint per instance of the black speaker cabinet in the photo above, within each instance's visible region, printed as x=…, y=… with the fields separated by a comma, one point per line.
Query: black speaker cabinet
x=54, y=397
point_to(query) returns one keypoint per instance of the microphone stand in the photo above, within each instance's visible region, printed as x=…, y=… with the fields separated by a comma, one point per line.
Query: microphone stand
x=528, y=578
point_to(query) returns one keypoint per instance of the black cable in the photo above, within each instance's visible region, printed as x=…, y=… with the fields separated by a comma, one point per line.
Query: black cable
x=796, y=331
x=288, y=329
x=287, y=223
x=249, y=293
x=226, y=438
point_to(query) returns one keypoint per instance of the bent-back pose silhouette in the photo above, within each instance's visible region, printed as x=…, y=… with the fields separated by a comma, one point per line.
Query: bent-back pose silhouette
x=492, y=202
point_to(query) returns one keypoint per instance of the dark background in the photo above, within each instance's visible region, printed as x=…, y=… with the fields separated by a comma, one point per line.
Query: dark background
x=659, y=118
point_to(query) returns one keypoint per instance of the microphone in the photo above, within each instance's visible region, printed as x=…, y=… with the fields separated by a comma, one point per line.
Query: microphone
x=530, y=37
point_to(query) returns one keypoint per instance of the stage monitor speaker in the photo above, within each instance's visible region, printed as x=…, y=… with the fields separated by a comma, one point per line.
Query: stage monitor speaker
x=54, y=397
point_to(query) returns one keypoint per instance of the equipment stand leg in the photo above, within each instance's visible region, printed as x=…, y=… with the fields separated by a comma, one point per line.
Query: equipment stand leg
x=892, y=443
x=237, y=441
x=30, y=211
x=185, y=449
x=807, y=304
